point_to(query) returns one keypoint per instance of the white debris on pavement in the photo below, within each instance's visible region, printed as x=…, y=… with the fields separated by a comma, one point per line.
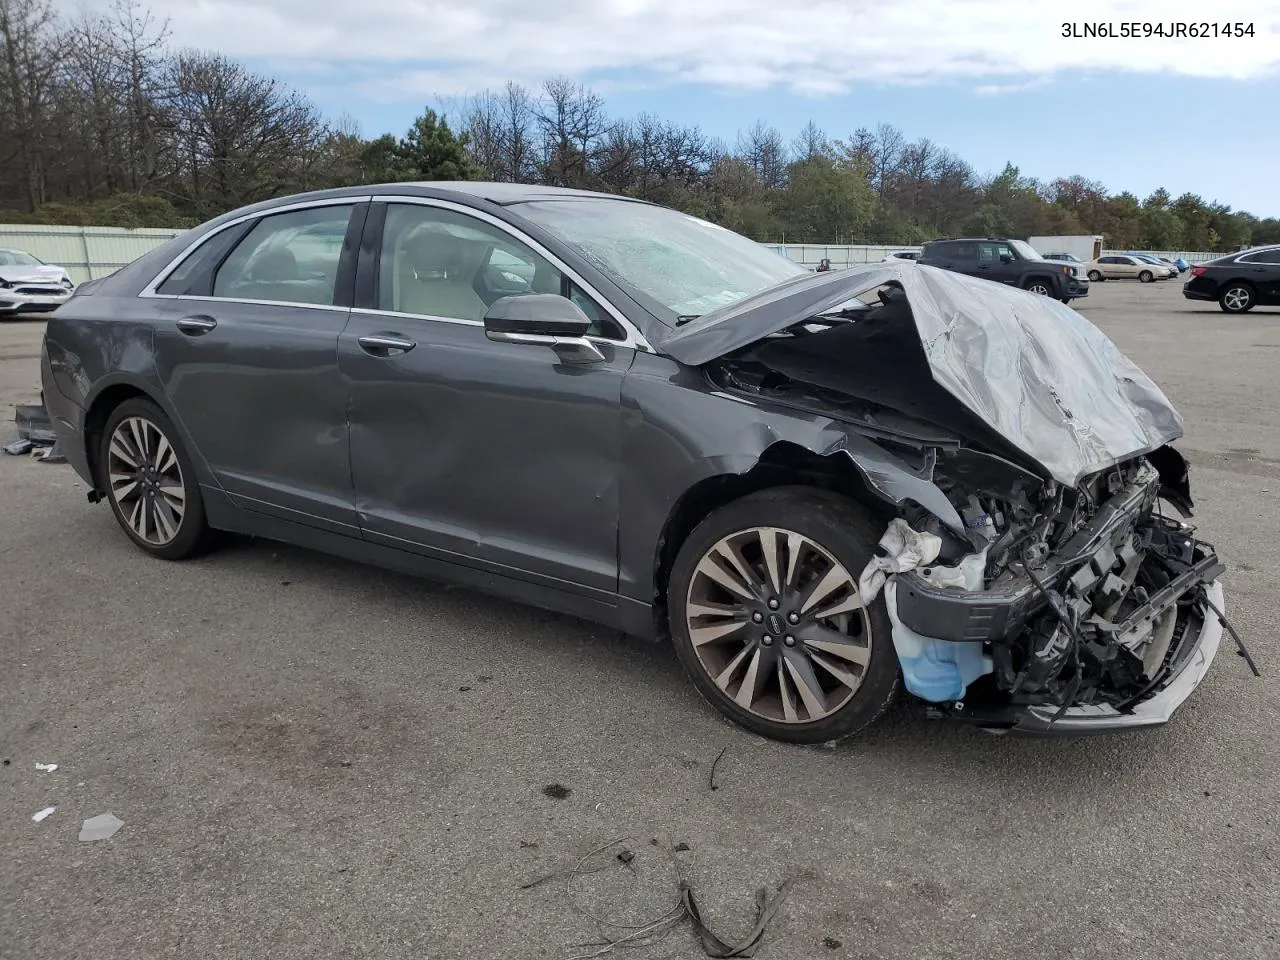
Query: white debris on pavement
x=906, y=549
x=101, y=827
x=47, y=767
x=37, y=817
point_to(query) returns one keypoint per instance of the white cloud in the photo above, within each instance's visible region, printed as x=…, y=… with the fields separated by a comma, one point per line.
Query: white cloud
x=405, y=49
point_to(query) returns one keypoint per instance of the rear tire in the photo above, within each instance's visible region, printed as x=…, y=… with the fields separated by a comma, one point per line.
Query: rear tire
x=150, y=482
x=789, y=651
x=1236, y=297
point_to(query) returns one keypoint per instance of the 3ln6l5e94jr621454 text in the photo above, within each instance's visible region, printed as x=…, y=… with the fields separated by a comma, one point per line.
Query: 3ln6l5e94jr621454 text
x=1137, y=28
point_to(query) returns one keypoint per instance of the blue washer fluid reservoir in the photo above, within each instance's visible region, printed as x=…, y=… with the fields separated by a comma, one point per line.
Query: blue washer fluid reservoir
x=932, y=669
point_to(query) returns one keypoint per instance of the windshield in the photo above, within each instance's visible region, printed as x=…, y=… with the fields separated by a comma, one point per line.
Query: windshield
x=1025, y=250
x=16, y=258
x=685, y=265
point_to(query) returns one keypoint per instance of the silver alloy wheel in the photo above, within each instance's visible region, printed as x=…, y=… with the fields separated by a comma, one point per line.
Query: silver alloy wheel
x=1094, y=276
x=1039, y=288
x=778, y=625
x=146, y=480
x=1235, y=299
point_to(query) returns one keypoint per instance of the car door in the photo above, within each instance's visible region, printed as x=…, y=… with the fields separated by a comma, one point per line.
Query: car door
x=1262, y=269
x=993, y=267
x=246, y=346
x=491, y=454
x=1126, y=268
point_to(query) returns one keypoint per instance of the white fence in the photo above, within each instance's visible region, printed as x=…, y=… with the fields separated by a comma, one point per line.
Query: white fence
x=850, y=255
x=92, y=252
x=86, y=252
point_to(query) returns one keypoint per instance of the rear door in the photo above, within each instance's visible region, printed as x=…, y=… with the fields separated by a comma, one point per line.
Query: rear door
x=247, y=347
x=1263, y=271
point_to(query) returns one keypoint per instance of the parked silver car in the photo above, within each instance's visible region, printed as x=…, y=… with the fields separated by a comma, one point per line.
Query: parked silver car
x=29, y=285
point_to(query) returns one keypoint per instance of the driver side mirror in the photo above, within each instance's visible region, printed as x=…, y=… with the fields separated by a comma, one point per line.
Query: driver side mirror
x=1006, y=258
x=543, y=319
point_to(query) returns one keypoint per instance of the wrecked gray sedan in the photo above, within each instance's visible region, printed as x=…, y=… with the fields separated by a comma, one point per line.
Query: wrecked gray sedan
x=823, y=487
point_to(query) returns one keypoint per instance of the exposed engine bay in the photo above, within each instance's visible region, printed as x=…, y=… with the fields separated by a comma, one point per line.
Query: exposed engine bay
x=1053, y=597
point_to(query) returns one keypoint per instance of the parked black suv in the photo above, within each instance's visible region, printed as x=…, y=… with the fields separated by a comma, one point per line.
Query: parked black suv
x=1008, y=261
x=1239, y=281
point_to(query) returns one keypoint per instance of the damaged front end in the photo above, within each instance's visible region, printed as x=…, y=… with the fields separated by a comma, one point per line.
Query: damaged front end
x=1055, y=592
x=1075, y=610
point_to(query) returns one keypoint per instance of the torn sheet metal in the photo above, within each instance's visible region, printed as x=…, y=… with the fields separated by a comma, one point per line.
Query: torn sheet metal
x=903, y=549
x=34, y=424
x=1032, y=369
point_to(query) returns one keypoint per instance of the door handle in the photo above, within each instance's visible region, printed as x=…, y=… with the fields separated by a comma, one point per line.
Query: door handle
x=195, y=326
x=385, y=344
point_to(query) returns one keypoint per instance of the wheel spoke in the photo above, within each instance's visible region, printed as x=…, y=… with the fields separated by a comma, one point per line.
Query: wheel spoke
x=166, y=458
x=807, y=685
x=138, y=519
x=818, y=637
x=165, y=527
x=751, y=683
x=789, y=713
x=123, y=485
x=139, y=432
x=851, y=602
x=835, y=578
x=121, y=451
x=718, y=631
x=727, y=674
x=769, y=550
x=837, y=671
x=733, y=577
x=705, y=608
x=795, y=545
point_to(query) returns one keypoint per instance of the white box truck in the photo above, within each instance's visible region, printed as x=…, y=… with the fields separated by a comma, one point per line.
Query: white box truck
x=1082, y=248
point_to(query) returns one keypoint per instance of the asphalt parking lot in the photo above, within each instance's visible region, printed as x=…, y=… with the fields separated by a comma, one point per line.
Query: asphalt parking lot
x=315, y=759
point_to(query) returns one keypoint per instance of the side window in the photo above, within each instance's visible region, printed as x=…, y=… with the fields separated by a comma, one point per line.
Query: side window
x=1263, y=256
x=964, y=251
x=987, y=252
x=290, y=257
x=441, y=263
x=191, y=277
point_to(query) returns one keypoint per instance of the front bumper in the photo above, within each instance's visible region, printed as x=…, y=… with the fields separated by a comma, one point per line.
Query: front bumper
x=1076, y=289
x=1189, y=663
x=15, y=301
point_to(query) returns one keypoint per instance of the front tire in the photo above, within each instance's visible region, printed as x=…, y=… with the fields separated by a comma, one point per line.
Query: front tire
x=1038, y=287
x=1146, y=276
x=1236, y=298
x=767, y=620
x=151, y=482
x=1095, y=276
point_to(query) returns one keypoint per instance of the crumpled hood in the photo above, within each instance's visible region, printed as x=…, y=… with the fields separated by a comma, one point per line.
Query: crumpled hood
x=1035, y=371
x=31, y=273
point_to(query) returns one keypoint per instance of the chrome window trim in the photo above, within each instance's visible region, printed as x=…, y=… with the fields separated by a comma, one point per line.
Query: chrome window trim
x=633, y=338
x=292, y=304
x=400, y=315
x=149, y=290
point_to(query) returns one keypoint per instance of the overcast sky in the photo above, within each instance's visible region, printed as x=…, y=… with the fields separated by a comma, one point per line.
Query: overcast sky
x=994, y=80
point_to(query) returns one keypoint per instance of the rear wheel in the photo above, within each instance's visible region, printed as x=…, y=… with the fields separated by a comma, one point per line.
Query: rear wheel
x=768, y=622
x=150, y=482
x=1095, y=276
x=1145, y=276
x=1236, y=298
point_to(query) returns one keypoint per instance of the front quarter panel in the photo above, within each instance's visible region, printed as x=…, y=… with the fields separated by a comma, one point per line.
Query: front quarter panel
x=678, y=431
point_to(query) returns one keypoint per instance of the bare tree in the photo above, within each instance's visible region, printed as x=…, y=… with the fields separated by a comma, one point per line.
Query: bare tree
x=811, y=143
x=29, y=63
x=572, y=121
x=763, y=150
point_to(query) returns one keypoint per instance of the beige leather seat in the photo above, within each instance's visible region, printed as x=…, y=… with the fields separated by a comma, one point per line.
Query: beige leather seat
x=425, y=285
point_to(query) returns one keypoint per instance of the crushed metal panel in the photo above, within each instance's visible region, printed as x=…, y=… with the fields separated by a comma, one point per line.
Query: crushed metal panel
x=1032, y=369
